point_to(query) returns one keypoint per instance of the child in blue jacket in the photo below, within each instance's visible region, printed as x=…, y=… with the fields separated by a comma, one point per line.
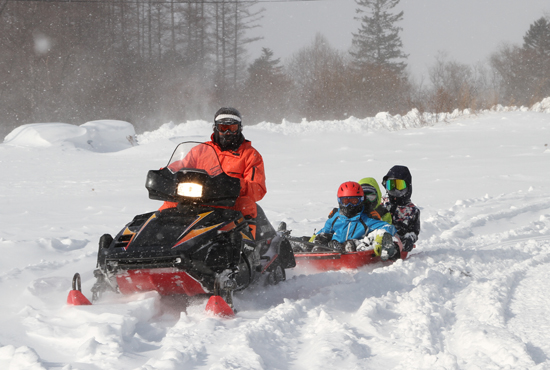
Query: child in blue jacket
x=348, y=228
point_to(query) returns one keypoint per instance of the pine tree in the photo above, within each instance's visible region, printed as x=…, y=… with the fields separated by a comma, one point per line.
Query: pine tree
x=264, y=67
x=537, y=38
x=267, y=89
x=378, y=41
x=536, y=59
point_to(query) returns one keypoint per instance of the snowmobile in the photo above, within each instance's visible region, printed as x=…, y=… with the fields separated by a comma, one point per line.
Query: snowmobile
x=308, y=259
x=198, y=247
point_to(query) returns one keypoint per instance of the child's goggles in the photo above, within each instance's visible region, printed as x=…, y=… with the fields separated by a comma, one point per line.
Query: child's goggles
x=371, y=197
x=350, y=201
x=370, y=193
x=393, y=184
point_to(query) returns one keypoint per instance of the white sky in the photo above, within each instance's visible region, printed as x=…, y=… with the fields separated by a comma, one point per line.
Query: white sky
x=468, y=30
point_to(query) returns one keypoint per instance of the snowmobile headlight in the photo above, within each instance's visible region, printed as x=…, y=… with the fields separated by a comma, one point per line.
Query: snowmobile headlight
x=189, y=189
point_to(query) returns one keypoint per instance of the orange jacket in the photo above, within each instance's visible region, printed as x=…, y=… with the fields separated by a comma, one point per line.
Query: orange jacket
x=247, y=164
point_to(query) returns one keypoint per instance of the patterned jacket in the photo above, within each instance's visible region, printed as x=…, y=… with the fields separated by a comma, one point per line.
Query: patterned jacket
x=406, y=219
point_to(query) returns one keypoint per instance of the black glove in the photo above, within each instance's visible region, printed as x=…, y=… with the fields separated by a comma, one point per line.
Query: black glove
x=323, y=238
x=350, y=246
x=408, y=245
x=336, y=246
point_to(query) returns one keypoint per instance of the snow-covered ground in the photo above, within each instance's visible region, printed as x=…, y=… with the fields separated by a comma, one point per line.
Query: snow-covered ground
x=474, y=294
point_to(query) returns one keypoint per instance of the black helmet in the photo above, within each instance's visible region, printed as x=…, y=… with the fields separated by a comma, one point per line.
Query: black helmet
x=398, y=184
x=228, y=128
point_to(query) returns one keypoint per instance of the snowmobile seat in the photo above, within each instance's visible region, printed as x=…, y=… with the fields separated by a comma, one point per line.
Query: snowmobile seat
x=264, y=229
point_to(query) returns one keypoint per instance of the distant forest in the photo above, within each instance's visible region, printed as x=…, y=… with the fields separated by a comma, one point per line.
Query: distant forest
x=149, y=62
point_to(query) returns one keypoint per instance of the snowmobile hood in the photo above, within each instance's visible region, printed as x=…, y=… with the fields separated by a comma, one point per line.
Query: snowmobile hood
x=372, y=182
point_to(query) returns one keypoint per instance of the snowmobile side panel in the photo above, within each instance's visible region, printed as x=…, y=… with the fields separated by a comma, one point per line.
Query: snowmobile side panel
x=166, y=281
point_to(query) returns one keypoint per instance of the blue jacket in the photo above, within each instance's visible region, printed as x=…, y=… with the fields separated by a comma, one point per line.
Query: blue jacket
x=344, y=228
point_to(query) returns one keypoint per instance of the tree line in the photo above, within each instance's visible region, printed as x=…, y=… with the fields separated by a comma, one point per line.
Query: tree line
x=149, y=62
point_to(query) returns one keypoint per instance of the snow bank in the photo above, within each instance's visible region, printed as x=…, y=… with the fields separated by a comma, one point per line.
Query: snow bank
x=98, y=136
x=543, y=106
x=112, y=135
x=191, y=130
x=383, y=121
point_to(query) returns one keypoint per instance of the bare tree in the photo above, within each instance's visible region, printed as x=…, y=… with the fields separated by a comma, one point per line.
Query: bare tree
x=317, y=72
x=233, y=20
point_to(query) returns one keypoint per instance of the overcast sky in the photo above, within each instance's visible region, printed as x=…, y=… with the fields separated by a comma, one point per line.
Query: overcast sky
x=468, y=30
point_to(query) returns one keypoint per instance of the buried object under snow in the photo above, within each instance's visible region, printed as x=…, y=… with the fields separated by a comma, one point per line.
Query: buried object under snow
x=196, y=247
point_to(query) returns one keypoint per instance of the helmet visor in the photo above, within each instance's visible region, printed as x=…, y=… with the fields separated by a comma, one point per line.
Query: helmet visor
x=350, y=201
x=395, y=184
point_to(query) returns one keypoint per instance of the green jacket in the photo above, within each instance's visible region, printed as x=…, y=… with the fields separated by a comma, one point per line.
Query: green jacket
x=379, y=209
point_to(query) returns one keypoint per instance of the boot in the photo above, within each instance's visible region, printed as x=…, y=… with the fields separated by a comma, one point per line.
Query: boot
x=389, y=250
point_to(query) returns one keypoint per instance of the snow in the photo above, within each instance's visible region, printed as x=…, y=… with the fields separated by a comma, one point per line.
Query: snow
x=473, y=294
x=98, y=136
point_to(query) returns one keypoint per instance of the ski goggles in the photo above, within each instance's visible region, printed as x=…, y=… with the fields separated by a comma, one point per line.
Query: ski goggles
x=370, y=193
x=350, y=201
x=395, y=184
x=371, y=197
x=225, y=127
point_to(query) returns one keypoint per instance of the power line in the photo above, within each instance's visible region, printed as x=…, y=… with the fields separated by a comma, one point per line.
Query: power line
x=169, y=1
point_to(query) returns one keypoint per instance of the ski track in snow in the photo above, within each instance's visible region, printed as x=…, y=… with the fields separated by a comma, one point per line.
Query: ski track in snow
x=473, y=294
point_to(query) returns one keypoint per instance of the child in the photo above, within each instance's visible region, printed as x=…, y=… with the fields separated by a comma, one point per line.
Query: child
x=405, y=215
x=373, y=198
x=348, y=228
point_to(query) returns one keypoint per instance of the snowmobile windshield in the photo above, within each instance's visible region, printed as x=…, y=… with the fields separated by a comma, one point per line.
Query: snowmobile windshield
x=196, y=156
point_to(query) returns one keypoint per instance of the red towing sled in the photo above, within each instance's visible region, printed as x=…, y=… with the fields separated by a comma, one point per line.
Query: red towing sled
x=327, y=261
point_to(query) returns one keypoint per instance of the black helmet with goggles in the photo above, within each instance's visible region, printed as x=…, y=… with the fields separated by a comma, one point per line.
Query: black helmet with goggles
x=227, y=128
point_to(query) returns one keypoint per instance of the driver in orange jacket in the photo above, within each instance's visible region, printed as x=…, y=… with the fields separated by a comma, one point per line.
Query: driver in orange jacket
x=238, y=159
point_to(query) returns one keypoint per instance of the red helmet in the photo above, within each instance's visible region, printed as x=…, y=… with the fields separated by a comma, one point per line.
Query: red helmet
x=350, y=198
x=350, y=189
